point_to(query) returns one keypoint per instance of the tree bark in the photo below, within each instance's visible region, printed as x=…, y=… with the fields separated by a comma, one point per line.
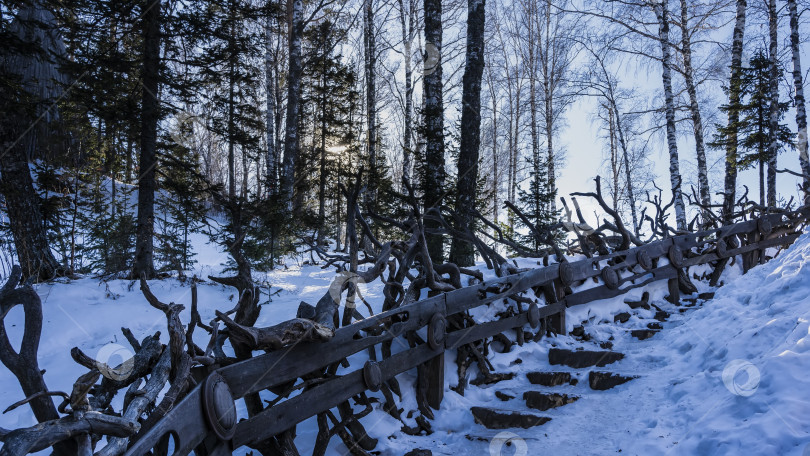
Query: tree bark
x=734, y=93
x=150, y=113
x=269, y=65
x=434, y=172
x=291, y=137
x=462, y=252
x=798, y=82
x=773, y=88
x=662, y=11
x=407, y=39
x=697, y=122
x=370, y=56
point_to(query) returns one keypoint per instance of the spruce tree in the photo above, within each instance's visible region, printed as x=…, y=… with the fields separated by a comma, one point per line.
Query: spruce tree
x=536, y=203
x=752, y=129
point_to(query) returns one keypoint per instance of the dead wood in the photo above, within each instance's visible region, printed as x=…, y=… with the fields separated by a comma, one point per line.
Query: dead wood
x=277, y=336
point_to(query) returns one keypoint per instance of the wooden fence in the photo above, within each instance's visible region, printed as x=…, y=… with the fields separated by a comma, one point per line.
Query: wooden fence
x=205, y=420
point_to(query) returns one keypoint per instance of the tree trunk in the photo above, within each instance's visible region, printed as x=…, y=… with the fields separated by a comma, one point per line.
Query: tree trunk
x=495, y=171
x=798, y=82
x=150, y=112
x=407, y=38
x=322, y=171
x=291, y=139
x=22, y=204
x=231, y=102
x=773, y=88
x=674, y=166
x=269, y=65
x=434, y=173
x=549, y=58
x=697, y=122
x=461, y=252
x=626, y=158
x=370, y=55
x=734, y=92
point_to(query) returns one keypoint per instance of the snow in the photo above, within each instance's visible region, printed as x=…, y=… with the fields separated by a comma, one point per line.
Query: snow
x=729, y=376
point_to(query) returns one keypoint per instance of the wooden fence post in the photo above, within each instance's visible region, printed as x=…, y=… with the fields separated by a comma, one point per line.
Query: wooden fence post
x=674, y=290
x=554, y=292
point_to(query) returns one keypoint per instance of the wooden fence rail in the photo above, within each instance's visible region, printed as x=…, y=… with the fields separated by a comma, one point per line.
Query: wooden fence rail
x=205, y=420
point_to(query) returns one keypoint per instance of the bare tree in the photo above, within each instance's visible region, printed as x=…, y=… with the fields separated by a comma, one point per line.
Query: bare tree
x=662, y=14
x=295, y=10
x=462, y=252
x=798, y=82
x=434, y=172
x=773, y=111
x=734, y=95
x=370, y=63
x=407, y=22
x=694, y=109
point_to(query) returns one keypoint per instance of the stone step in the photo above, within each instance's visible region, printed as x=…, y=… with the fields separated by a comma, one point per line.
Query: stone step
x=582, y=358
x=503, y=396
x=601, y=381
x=642, y=334
x=644, y=303
x=544, y=401
x=621, y=317
x=551, y=378
x=419, y=452
x=506, y=419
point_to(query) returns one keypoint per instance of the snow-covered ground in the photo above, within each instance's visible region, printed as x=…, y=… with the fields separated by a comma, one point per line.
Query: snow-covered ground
x=729, y=377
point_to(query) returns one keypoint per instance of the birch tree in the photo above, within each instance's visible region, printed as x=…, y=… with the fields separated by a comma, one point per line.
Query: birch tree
x=694, y=109
x=291, y=137
x=773, y=140
x=798, y=83
x=370, y=61
x=632, y=19
x=407, y=19
x=734, y=94
x=597, y=80
x=662, y=14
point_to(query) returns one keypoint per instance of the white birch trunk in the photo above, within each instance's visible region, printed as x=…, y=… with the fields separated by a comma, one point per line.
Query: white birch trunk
x=798, y=82
x=662, y=12
x=773, y=112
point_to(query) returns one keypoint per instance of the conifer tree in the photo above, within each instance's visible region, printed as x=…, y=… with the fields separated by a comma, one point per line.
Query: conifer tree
x=752, y=130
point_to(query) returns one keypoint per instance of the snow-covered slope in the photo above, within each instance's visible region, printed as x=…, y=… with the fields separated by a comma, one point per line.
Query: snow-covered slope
x=729, y=377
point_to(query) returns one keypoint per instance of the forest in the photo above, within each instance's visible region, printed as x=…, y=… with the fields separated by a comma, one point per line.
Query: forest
x=411, y=143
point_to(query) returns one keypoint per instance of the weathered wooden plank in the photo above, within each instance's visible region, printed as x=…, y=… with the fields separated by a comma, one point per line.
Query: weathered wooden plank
x=185, y=421
x=483, y=330
x=603, y=292
x=764, y=244
x=284, y=415
x=435, y=371
x=471, y=297
x=276, y=368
